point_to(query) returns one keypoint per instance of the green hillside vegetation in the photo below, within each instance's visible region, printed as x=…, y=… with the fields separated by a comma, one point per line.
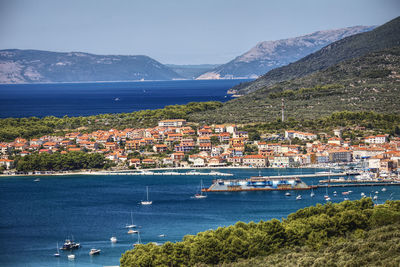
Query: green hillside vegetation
x=383, y=37
x=11, y=128
x=60, y=162
x=377, y=247
x=351, y=122
x=368, y=83
x=333, y=229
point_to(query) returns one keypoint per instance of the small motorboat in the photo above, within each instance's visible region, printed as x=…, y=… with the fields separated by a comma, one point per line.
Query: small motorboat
x=345, y=193
x=298, y=197
x=71, y=257
x=94, y=251
x=384, y=189
x=37, y=180
x=287, y=194
x=132, y=231
x=375, y=197
x=162, y=235
x=346, y=198
x=113, y=239
x=328, y=199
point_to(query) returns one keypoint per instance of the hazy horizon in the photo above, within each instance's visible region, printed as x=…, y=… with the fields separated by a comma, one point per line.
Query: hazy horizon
x=176, y=32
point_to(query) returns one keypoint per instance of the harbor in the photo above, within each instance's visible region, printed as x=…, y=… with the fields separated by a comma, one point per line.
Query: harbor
x=74, y=205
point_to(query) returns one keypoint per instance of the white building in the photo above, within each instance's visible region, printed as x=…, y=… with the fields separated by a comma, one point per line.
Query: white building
x=172, y=123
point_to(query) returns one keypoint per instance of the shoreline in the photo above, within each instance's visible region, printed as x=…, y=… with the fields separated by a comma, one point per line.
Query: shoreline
x=96, y=172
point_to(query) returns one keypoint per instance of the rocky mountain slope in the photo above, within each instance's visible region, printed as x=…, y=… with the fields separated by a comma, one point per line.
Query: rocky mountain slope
x=367, y=83
x=382, y=37
x=272, y=54
x=33, y=66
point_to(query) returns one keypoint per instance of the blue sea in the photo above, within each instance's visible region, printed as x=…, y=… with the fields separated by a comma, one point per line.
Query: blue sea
x=82, y=99
x=34, y=216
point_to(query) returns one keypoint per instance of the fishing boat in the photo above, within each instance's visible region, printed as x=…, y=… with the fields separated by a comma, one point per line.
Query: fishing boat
x=131, y=225
x=200, y=195
x=113, y=239
x=94, y=251
x=147, y=201
x=57, y=254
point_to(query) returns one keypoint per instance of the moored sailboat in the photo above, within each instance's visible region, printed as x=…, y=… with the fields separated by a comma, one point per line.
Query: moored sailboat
x=147, y=201
x=200, y=195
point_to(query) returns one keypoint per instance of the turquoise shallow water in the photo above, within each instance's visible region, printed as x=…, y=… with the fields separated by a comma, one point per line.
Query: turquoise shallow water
x=34, y=216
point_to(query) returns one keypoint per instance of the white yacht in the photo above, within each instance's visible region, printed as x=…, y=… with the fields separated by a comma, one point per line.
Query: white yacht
x=113, y=239
x=94, y=251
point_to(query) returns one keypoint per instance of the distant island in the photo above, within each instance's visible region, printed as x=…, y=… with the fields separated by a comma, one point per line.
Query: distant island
x=34, y=66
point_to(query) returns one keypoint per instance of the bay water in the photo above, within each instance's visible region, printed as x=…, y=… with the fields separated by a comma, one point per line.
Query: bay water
x=34, y=216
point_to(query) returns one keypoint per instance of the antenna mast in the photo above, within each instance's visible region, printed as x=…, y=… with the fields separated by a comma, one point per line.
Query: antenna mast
x=283, y=110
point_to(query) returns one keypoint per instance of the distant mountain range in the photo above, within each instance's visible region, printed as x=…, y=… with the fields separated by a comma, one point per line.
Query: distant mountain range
x=269, y=55
x=34, y=66
x=382, y=37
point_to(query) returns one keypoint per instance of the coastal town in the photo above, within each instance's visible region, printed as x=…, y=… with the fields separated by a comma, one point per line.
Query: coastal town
x=175, y=143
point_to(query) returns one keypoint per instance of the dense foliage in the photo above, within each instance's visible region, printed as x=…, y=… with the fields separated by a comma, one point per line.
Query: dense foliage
x=60, y=162
x=312, y=227
x=381, y=123
x=377, y=247
x=11, y=128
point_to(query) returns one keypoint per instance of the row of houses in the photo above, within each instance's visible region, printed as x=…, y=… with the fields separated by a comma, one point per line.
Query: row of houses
x=174, y=143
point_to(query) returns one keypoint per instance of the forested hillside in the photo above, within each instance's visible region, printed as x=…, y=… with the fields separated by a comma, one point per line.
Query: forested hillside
x=330, y=233
x=367, y=83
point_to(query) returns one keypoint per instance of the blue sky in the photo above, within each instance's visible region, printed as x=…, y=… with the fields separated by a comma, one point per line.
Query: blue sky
x=179, y=32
